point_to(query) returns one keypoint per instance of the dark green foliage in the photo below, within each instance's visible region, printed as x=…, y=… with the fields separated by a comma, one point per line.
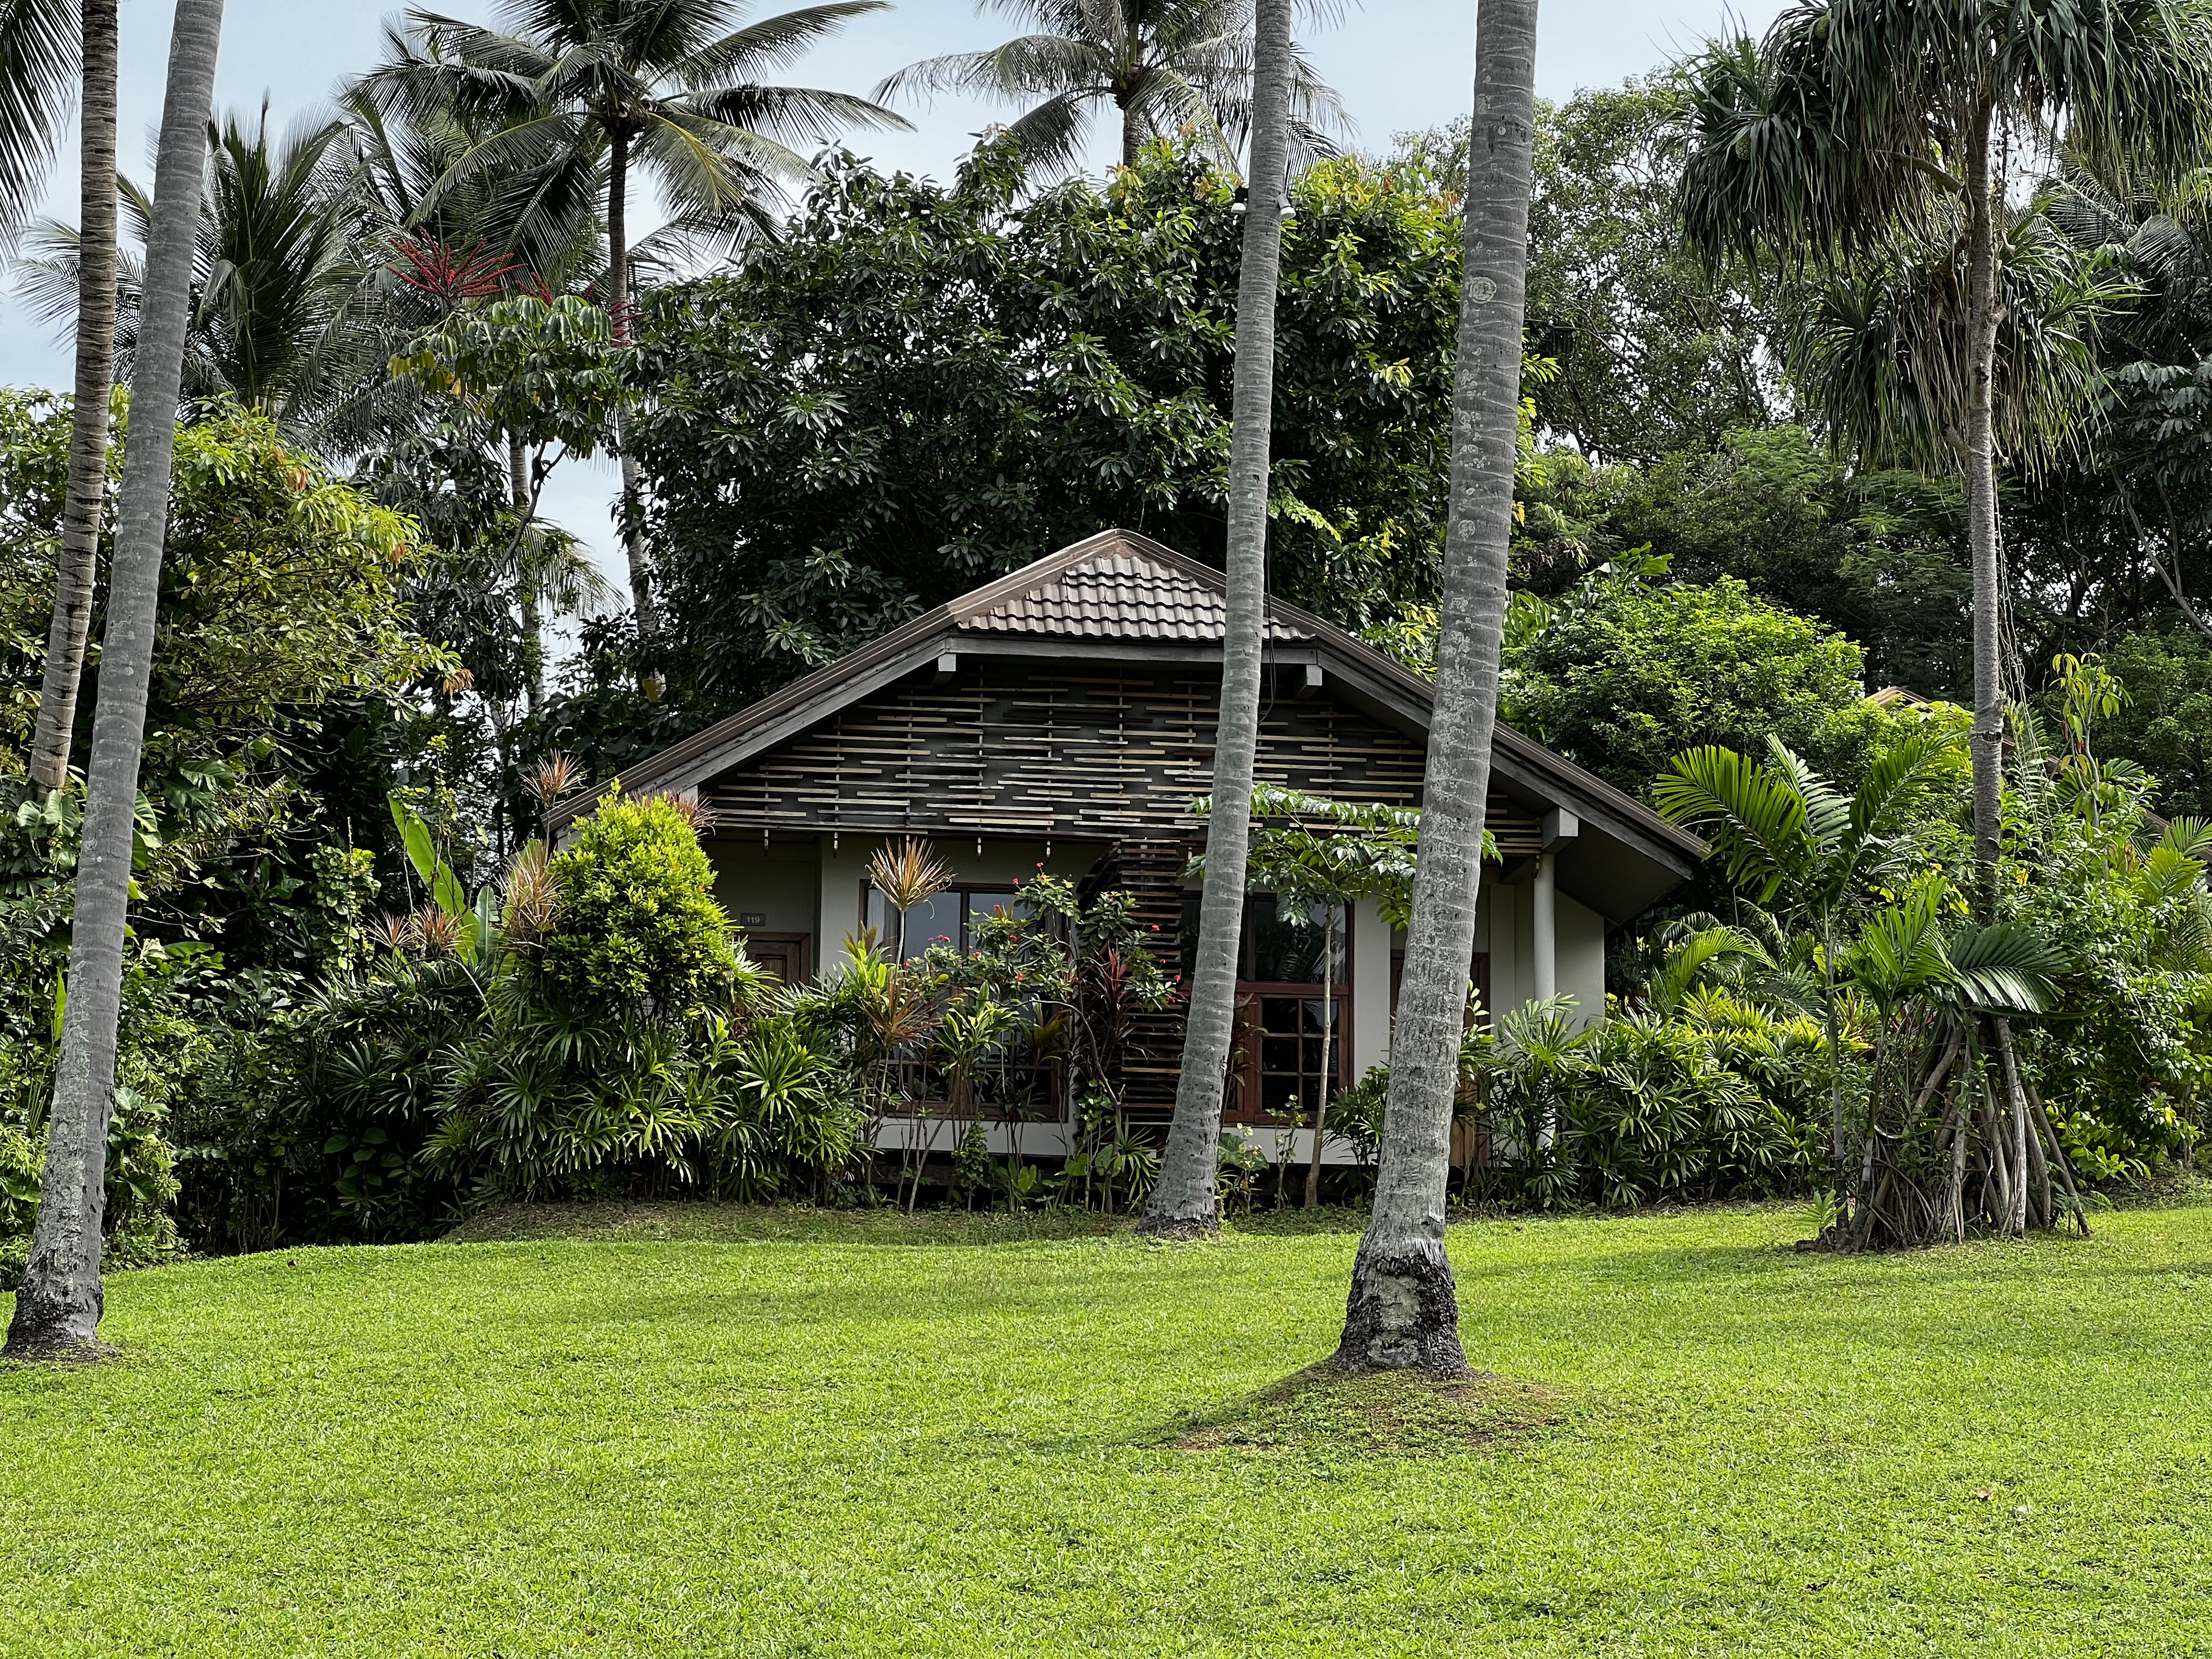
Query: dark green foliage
x=1654, y=355
x=919, y=388
x=309, y=1130
x=1627, y=672
x=1878, y=556
x=1725, y=1103
x=2165, y=725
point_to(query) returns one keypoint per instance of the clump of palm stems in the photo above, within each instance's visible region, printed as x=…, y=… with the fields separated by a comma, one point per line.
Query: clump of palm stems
x=1954, y=1138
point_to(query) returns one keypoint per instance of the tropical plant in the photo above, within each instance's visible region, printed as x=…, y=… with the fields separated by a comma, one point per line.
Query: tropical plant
x=542, y=374
x=636, y=926
x=1182, y=1204
x=1859, y=133
x=669, y=89
x=59, y=1301
x=1402, y=1312
x=1627, y=670
x=281, y=297
x=1168, y=68
x=1787, y=835
x=907, y=874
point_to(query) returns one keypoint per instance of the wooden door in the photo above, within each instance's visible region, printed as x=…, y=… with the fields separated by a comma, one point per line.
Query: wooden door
x=784, y=954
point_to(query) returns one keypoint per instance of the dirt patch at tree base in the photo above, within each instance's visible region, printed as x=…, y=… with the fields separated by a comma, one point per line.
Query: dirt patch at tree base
x=1324, y=1410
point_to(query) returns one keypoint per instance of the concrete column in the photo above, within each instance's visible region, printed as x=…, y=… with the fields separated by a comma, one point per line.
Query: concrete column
x=1545, y=926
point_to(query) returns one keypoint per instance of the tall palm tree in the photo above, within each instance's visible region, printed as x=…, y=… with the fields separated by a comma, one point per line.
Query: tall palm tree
x=34, y=55
x=1403, y=1310
x=279, y=283
x=1166, y=66
x=669, y=86
x=1856, y=125
x=1182, y=1201
x=59, y=1303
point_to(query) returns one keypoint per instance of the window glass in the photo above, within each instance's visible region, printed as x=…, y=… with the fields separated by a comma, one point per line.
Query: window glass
x=981, y=900
x=935, y=920
x=947, y=919
x=1275, y=950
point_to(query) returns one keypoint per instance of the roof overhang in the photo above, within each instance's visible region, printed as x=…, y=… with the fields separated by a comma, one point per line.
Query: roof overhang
x=1622, y=857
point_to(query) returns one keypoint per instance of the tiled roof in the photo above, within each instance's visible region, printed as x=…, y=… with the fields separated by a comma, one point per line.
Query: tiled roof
x=1117, y=593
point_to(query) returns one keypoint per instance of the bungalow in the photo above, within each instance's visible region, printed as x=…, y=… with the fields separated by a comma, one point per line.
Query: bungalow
x=1063, y=716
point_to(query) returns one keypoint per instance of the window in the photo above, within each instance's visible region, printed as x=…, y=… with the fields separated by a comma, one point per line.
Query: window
x=1016, y=1082
x=1276, y=949
x=1298, y=1054
x=948, y=918
x=1288, y=1050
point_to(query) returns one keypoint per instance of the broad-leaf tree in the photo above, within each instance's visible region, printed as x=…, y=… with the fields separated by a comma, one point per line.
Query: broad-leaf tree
x=1165, y=67
x=671, y=88
x=1402, y=1312
x=58, y=1304
x=1182, y=1204
x=1864, y=131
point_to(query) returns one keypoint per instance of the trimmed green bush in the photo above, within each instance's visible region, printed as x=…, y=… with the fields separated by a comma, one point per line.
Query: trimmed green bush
x=635, y=924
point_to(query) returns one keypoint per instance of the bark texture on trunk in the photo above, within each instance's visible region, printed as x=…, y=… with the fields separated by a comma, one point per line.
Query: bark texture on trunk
x=1181, y=1203
x=1987, y=736
x=1403, y=1310
x=641, y=566
x=525, y=578
x=77, y=567
x=59, y=1306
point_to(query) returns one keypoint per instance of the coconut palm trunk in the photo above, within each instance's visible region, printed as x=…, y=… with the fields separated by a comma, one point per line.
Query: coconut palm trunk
x=77, y=567
x=533, y=617
x=58, y=1304
x=640, y=571
x=1182, y=1201
x=1403, y=1310
x=1982, y=319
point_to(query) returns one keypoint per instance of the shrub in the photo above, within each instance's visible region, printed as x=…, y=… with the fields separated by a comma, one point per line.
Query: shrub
x=635, y=927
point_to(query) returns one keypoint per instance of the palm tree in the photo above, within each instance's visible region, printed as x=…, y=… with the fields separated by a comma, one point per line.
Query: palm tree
x=1858, y=125
x=58, y=1304
x=1402, y=1312
x=1785, y=833
x=668, y=86
x=1182, y=1202
x=33, y=51
x=1166, y=66
x=279, y=281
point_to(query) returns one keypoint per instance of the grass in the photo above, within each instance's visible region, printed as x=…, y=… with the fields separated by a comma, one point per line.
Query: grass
x=785, y=1434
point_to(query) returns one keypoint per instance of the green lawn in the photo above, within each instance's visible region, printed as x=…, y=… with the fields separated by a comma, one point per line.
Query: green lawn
x=785, y=1435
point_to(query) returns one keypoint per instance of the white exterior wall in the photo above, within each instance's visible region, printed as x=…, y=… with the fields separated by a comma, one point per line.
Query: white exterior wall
x=1582, y=959
x=1371, y=944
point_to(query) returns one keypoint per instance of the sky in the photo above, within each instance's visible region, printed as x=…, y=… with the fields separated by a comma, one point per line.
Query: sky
x=1399, y=64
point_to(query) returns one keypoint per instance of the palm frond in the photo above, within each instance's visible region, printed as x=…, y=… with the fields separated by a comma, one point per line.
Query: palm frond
x=1755, y=817
x=40, y=64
